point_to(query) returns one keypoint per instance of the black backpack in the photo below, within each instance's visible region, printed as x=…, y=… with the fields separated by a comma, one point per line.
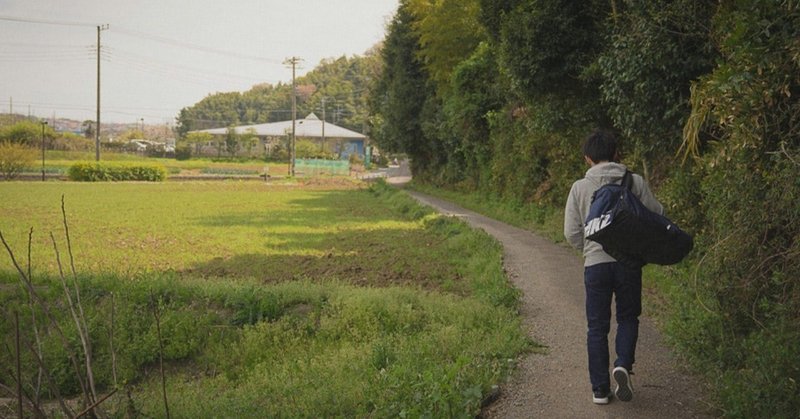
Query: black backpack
x=631, y=233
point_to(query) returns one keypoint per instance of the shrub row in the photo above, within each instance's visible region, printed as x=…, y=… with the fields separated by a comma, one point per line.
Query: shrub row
x=113, y=172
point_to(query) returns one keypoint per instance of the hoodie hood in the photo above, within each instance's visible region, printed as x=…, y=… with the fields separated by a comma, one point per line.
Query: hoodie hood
x=604, y=173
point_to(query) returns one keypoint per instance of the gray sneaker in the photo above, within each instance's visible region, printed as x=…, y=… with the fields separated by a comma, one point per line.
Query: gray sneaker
x=624, y=389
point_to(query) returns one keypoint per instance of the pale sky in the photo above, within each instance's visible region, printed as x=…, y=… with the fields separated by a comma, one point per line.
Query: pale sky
x=159, y=56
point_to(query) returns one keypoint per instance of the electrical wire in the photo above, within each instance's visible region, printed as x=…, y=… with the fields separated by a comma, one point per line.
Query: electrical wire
x=45, y=22
x=130, y=61
x=174, y=71
x=183, y=44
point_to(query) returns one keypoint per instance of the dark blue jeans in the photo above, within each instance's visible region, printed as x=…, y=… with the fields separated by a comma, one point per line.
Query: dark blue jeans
x=603, y=282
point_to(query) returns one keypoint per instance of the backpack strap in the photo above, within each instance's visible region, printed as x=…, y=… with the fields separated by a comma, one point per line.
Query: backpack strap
x=627, y=180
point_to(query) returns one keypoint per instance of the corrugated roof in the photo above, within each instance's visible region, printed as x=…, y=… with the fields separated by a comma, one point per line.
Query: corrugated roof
x=309, y=127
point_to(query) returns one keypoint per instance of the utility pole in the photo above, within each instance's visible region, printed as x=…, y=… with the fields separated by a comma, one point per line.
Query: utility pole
x=43, y=124
x=323, y=121
x=293, y=61
x=97, y=130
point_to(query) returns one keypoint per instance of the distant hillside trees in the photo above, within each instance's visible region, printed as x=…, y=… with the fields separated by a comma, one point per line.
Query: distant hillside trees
x=341, y=84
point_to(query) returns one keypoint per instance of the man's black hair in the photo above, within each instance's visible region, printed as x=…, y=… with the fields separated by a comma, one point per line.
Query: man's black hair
x=600, y=146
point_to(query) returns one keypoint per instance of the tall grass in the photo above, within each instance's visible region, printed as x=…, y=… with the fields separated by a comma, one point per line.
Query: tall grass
x=426, y=333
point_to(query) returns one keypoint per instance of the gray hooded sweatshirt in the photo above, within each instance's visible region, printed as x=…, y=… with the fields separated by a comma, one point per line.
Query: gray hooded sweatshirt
x=580, y=199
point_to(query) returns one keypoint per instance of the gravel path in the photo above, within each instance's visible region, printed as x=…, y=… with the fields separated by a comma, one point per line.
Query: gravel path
x=556, y=384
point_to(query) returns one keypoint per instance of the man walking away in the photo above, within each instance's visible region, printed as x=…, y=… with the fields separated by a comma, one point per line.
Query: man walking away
x=604, y=277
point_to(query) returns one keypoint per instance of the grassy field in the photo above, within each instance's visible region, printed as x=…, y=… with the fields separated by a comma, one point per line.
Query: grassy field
x=57, y=162
x=273, y=299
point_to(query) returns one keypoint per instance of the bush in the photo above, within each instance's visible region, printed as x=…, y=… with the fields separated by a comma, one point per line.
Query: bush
x=183, y=152
x=14, y=158
x=71, y=142
x=94, y=172
x=307, y=149
x=356, y=159
x=25, y=132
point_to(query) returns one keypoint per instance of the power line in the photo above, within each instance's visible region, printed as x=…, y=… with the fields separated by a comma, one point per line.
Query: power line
x=183, y=44
x=45, y=22
x=174, y=71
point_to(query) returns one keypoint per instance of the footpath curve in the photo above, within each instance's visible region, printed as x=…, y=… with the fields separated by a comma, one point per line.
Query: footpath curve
x=555, y=384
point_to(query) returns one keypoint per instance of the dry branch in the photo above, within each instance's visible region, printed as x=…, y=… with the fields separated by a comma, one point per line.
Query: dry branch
x=50, y=382
x=35, y=323
x=97, y=403
x=157, y=315
x=79, y=325
x=19, y=364
x=46, y=310
x=111, y=343
x=82, y=327
x=36, y=411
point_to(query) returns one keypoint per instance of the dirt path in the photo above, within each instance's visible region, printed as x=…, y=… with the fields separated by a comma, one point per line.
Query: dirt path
x=556, y=384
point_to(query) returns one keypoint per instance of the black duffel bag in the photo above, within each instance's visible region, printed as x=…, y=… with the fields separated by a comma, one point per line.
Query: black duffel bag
x=631, y=233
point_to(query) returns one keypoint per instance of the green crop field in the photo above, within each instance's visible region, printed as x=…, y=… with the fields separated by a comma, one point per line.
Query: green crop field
x=58, y=162
x=272, y=299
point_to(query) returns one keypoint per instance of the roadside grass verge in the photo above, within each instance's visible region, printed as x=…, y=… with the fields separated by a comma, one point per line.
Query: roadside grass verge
x=369, y=305
x=545, y=220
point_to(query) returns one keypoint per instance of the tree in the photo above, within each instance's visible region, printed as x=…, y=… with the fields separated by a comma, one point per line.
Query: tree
x=198, y=139
x=14, y=158
x=476, y=94
x=343, y=83
x=231, y=141
x=744, y=136
x=25, y=132
x=448, y=31
x=549, y=45
x=656, y=50
x=217, y=110
x=402, y=93
x=88, y=128
x=248, y=140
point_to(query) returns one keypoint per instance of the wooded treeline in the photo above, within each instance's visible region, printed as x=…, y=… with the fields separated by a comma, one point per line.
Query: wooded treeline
x=341, y=85
x=496, y=97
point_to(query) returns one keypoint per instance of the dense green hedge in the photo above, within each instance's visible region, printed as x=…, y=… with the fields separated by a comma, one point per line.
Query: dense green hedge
x=113, y=172
x=704, y=96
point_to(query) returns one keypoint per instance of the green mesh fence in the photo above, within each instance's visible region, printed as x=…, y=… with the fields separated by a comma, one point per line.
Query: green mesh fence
x=319, y=167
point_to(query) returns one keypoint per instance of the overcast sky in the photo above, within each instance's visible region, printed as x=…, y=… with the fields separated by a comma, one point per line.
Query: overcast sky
x=159, y=56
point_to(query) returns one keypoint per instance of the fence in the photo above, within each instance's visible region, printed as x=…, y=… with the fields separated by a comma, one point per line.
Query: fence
x=319, y=167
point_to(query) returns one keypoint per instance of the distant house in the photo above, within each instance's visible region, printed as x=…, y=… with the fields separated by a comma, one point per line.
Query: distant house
x=140, y=145
x=341, y=141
